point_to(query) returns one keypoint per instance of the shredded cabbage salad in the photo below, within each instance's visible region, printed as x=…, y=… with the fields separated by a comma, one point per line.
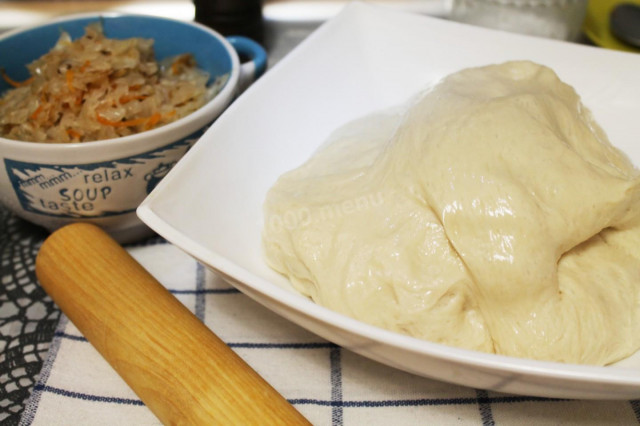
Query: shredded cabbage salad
x=96, y=88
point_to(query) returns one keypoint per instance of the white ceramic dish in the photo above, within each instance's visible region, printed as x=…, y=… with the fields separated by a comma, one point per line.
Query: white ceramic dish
x=365, y=59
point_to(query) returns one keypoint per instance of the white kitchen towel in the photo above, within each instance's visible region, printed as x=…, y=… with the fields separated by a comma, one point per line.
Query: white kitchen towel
x=327, y=384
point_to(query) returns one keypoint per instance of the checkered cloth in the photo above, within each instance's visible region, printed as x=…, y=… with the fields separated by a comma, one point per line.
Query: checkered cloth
x=327, y=384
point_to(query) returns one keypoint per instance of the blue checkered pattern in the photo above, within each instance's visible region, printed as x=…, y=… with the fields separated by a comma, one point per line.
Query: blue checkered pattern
x=326, y=383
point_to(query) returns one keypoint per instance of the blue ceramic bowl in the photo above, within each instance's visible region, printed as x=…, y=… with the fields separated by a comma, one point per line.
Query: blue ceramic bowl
x=104, y=181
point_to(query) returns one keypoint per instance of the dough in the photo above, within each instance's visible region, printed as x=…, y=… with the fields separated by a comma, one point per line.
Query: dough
x=490, y=213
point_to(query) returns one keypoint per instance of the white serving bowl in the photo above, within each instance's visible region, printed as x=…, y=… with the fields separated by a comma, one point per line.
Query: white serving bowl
x=103, y=182
x=366, y=59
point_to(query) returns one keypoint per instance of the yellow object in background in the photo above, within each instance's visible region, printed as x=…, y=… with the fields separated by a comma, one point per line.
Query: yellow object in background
x=596, y=24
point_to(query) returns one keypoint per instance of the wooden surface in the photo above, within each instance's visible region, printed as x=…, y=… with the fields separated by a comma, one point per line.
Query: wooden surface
x=175, y=364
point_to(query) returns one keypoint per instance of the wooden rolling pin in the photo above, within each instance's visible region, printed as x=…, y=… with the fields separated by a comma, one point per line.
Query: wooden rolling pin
x=182, y=371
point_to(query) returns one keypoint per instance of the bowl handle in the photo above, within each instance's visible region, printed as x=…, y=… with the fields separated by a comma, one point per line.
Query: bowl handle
x=257, y=64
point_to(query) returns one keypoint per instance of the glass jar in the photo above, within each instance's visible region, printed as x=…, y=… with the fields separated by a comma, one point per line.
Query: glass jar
x=558, y=19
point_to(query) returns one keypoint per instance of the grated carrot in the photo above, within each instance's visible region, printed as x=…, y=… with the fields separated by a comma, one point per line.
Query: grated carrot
x=73, y=134
x=69, y=77
x=37, y=112
x=125, y=123
x=149, y=122
x=84, y=66
x=128, y=98
x=13, y=82
x=153, y=120
x=181, y=60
